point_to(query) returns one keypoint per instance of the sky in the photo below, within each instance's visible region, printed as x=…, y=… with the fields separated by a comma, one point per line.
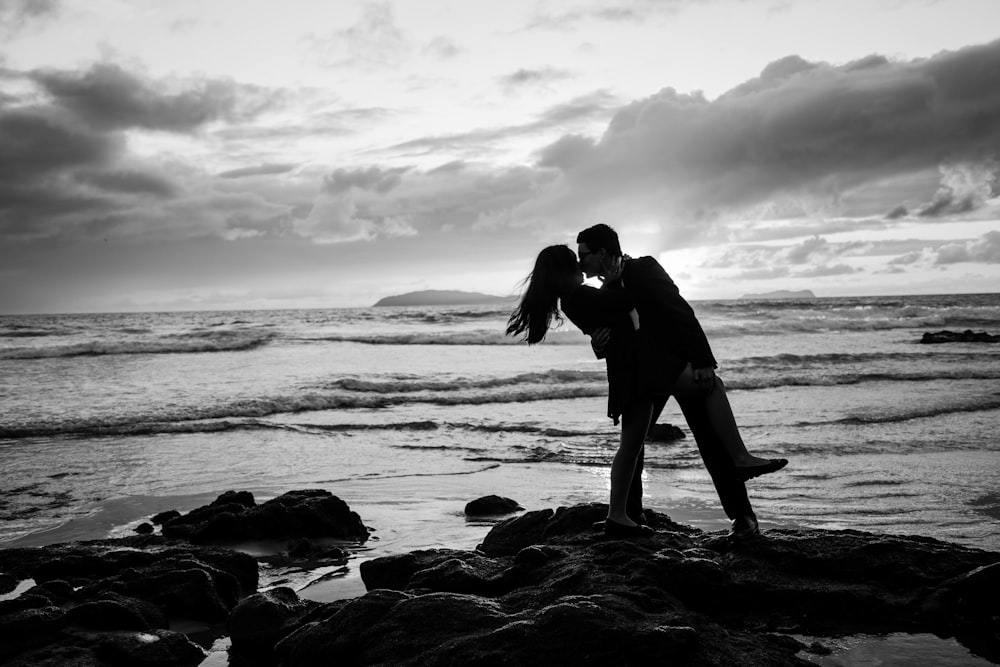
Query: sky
x=237, y=154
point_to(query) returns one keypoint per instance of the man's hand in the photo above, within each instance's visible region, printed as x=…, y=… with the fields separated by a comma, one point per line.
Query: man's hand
x=599, y=339
x=611, y=269
x=704, y=378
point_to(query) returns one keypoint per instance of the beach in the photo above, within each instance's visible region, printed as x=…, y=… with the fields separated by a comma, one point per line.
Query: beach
x=407, y=414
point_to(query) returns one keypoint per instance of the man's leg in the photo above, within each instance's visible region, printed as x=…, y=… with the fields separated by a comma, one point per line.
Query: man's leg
x=731, y=489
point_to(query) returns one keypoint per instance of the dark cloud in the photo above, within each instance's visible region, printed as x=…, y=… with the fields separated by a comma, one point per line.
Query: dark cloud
x=129, y=182
x=109, y=97
x=806, y=131
x=592, y=107
x=567, y=151
x=372, y=178
x=801, y=253
x=15, y=14
x=986, y=250
x=533, y=77
x=260, y=170
x=39, y=141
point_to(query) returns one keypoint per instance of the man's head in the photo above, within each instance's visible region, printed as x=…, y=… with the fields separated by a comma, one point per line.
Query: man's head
x=597, y=247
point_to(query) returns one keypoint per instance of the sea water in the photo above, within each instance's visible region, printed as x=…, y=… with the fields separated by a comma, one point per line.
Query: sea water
x=409, y=413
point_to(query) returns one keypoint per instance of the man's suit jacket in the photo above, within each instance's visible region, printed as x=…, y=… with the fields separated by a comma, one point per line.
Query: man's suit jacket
x=666, y=320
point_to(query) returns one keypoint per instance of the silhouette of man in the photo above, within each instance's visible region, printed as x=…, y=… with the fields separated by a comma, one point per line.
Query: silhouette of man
x=678, y=349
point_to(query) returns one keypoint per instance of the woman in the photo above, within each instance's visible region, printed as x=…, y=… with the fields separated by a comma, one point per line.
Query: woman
x=556, y=281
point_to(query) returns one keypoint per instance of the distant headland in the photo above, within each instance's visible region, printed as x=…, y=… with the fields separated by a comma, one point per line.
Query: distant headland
x=782, y=294
x=441, y=298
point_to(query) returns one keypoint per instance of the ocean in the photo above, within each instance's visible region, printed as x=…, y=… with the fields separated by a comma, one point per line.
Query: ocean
x=409, y=413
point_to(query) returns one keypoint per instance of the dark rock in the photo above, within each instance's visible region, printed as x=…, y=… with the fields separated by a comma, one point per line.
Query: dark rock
x=263, y=619
x=164, y=517
x=491, y=506
x=105, y=615
x=547, y=588
x=127, y=588
x=7, y=583
x=664, y=433
x=56, y=590
x=511, y=535
x=234, y=517
x=967, y=336
x=144, y=528
x=242, y=498
x=159, y=647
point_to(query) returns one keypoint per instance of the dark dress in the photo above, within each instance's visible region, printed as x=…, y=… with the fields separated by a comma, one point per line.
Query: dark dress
x=630, y=376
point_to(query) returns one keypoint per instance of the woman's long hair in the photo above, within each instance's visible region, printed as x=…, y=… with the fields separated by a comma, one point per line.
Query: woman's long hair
x=555, y=272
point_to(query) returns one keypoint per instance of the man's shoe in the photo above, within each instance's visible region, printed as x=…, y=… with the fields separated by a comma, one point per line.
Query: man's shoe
x=744, y=528
x=771, y=465
x=615, y=529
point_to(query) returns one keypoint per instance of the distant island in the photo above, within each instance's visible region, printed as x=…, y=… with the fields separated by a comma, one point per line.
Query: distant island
x=441, y=298
x=782, y=294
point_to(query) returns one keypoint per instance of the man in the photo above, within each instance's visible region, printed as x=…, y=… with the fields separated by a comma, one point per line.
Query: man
x=679, y=349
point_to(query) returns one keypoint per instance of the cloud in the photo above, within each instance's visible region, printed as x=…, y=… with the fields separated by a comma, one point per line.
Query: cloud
x=259, y=170
x=801, y=253
x=986, y=250
x=964, y=187
x=373, y=42
x=533, y=77
x=823, y=271
x=129, y=182
x=442, y=48
x=109, y=97
x=373, y=179
x=584, y=109
x=15, y=14
x=808, y=134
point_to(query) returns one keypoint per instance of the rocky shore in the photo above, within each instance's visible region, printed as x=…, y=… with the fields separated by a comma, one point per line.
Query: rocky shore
x=543, y=588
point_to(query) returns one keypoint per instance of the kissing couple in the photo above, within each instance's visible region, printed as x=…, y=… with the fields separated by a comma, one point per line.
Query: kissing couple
x=654, y=348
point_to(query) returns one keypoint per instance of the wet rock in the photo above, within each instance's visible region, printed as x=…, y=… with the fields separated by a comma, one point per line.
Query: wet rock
x=967, y=336
x=491, y=506
x=126, y=591
x=664, y=433
x=163, y=517
x=144, y=528
x=159, y=647
x=235, y=517
x=263, y=619
x=547, y=588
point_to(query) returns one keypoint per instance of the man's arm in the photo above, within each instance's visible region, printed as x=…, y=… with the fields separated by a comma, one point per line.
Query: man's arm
x=653, y=286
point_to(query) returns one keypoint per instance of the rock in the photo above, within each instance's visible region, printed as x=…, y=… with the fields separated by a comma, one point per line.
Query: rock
x=159, y=647
x=106, y=615
x=491, y=506
x=110, y=601
x=234, y=517
x=263, y=619
x=547, y=588
x=664, y=433
x=967, y=336
x=144, y=528
x=163, y=517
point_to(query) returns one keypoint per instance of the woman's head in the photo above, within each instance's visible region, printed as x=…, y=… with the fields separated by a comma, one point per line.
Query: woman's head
x=555, y=273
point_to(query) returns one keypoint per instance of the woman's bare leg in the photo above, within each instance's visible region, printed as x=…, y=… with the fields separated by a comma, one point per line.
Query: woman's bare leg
x=635, y=423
